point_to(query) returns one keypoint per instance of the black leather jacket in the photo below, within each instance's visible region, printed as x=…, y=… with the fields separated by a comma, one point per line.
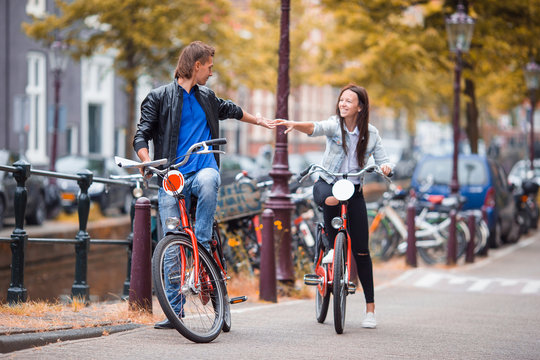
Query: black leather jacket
x=161, y=112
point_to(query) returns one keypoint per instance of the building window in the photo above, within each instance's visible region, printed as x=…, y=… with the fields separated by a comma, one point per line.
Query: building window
x=94, y=128
x=36, y=91
x=36, y=8
x=71, y=140
x=97, y=133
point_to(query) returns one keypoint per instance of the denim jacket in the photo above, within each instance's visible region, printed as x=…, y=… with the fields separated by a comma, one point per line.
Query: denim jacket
x=334, y=154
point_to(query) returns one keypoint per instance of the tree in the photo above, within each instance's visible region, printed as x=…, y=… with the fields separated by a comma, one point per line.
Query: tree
x=384, y=47
x=146, y=36
x=398, y=49
x=258, y=28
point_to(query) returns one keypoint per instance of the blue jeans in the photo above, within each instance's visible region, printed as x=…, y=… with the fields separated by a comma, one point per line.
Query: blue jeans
x=203, y=184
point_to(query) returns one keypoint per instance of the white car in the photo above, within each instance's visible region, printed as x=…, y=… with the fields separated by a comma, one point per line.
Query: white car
x=522, y=170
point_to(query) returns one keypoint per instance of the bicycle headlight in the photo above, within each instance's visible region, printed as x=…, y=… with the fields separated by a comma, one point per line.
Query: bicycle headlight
x=337, y=222
x=172, y=223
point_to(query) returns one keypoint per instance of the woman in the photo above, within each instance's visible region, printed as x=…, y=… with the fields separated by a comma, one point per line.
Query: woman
x=350, y=141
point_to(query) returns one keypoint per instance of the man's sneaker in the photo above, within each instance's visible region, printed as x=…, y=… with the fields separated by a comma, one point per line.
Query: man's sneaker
x=164, y=324
x=369, y=321
x=328, y=258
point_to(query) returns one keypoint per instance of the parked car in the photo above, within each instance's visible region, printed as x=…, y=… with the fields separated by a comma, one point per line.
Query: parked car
x=106, y=196
x=482, y=182
x=232, y=164
x=521, y=170
x=42, y=197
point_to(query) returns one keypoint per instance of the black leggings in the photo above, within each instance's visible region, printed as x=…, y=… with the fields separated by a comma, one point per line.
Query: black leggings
x=357, y=227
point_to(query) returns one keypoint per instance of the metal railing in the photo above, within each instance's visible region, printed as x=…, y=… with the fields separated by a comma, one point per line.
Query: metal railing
x=19, y=239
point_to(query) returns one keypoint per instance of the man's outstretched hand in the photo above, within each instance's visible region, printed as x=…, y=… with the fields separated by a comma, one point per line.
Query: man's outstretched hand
x=267, y=123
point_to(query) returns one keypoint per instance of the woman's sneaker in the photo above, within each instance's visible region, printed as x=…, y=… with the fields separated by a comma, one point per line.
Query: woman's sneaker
x=369, y=321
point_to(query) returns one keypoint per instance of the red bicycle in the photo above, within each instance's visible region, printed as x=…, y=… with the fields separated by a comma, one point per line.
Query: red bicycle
x=334, y=278
x=190, y=282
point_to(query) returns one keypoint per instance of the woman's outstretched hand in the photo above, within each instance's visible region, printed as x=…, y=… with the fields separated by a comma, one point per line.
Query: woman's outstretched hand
x=289, y=124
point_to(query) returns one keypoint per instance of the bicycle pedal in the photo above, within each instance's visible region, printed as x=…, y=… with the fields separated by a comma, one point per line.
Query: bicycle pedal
x=238, y=300
x=312, y=279
x=351, y=289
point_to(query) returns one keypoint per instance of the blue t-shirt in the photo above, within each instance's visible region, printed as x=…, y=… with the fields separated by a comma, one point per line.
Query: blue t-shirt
x=193, y=129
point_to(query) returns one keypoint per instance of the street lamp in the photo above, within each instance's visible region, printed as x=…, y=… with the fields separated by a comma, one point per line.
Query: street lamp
x=279, y=200
x=459, y=27
x=532, y=79
x=58, y=59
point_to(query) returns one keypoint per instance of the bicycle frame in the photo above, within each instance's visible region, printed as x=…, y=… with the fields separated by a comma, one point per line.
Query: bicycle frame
x=343, y=228
x=321, y=279
x=185, y=225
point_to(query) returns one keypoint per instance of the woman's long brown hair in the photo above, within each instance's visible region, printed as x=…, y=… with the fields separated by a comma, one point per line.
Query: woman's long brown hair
x=362, y=122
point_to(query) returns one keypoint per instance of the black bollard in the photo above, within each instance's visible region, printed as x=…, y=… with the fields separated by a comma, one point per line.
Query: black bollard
x=80, y=289
x=451, y=255
x=411, y=232
x=140, y=290
x=267, y=281
x=469, y=256
x=17, y=292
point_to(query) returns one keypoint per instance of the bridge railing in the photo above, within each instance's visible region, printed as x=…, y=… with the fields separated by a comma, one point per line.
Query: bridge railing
x=19, y=239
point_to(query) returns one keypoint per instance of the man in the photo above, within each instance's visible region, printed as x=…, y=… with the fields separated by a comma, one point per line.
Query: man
x=178, y=115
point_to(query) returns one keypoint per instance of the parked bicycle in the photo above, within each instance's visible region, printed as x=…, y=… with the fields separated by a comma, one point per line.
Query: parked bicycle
x=335, y=277
x=306, y=215
x=388, y=228
x=199, y=307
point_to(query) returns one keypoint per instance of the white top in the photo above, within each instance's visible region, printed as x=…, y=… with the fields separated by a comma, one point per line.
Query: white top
x=350, y=163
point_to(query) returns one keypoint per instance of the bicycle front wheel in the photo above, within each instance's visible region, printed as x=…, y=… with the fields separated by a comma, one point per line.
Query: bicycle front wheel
x=339, y=286
x=195, y=307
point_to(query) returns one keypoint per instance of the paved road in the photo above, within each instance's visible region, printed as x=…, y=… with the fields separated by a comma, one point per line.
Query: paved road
x=487, y=310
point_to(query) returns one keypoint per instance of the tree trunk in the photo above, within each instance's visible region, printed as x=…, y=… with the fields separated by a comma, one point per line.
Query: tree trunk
x=471, y=116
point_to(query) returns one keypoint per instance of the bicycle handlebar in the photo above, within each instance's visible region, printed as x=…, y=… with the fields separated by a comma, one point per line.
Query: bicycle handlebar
x=369, y=168
x=150, y=166
x=220, y=141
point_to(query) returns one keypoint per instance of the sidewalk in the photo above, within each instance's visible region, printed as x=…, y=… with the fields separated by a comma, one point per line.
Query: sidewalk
x=38, y=324
x=31, y=325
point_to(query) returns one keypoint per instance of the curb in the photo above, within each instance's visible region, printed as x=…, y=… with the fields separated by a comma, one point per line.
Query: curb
x=10, y=343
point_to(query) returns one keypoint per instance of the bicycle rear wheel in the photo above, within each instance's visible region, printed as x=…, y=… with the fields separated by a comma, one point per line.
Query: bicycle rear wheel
x=227, y=314
x=322, y=302
x=195, y=310
x=218, y=248
x=339, y=286
x=439, y=254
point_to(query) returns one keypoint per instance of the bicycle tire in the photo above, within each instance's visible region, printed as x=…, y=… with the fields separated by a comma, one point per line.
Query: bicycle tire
x=197, y=314
x=481, y=236
x=438, y=254
x=322, y=301
x=339, y=286
x=227, y=314
x=382, y=238
x=221, y=256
